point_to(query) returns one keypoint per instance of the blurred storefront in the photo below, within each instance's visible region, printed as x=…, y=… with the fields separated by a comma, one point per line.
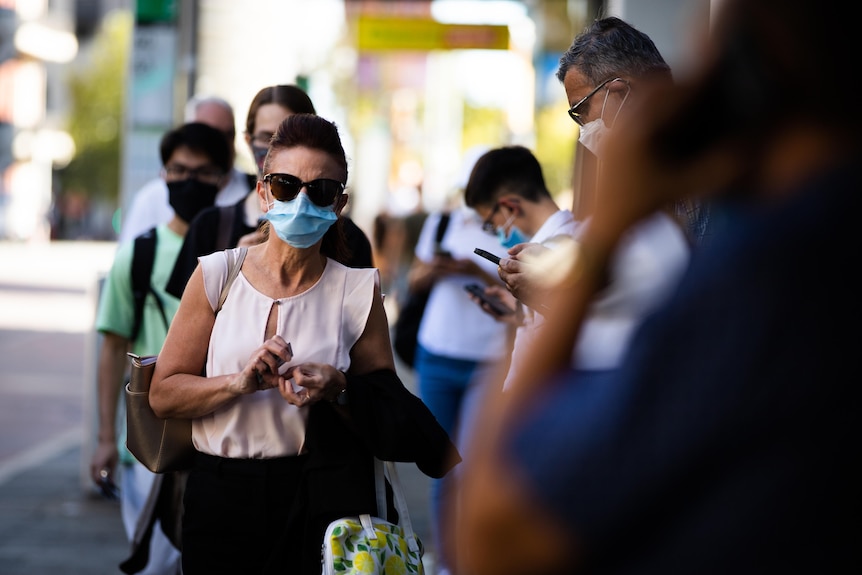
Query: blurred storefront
x=36, y=39
x=414, y=85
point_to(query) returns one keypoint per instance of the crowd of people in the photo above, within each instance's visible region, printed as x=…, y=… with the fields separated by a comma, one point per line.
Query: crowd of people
x=653, y=382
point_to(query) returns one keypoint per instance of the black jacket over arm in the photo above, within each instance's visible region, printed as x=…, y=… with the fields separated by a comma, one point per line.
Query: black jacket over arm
x=386, y=421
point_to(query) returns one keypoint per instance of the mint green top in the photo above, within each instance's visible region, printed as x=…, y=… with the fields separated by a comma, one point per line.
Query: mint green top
x=116, y=312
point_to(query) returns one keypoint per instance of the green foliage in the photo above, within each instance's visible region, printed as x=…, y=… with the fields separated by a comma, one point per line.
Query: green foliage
x=484, y=127
x=96, y=86
x=554, y=146
x=556, y=135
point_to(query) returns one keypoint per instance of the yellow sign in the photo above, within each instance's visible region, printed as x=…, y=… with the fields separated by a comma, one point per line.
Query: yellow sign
x=376, y=33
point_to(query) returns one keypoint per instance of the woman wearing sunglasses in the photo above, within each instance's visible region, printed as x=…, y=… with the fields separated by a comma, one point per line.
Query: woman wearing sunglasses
x=238, y=225
x=300, y=391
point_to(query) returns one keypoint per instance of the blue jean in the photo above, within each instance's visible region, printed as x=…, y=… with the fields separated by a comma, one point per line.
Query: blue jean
x=452, y=389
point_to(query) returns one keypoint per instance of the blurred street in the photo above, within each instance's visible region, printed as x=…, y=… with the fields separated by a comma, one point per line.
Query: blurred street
x=51, y=519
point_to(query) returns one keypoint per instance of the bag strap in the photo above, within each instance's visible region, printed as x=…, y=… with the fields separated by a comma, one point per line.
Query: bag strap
x=388, y=469
x=441, y=228
x=233, y=266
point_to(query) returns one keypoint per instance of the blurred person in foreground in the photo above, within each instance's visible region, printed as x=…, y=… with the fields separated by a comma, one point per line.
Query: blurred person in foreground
x=728, y=441
x=150, y=205
x=300, y=392
x=239, y=224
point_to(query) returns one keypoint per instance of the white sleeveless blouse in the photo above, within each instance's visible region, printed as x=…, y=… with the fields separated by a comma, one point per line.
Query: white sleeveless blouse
x=322, y=324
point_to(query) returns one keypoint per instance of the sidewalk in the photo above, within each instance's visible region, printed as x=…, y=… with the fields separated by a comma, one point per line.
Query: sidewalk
x=49, y=525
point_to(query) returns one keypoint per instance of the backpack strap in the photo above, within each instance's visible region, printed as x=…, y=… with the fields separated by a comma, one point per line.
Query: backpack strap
x=143, y=259
x=441, y=228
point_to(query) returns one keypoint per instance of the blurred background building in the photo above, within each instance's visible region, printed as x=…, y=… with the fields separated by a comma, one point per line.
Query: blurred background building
x=88, y=87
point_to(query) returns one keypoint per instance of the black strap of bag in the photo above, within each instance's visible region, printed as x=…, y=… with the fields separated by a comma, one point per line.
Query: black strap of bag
x=441, y=229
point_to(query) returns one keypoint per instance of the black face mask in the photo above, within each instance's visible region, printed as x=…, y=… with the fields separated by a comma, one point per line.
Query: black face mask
x=189, y=197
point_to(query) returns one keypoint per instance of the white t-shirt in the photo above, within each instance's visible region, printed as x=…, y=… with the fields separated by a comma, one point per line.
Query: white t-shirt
x=560, y=223
x=150, y=206
x=646, y=266
x=453, y=325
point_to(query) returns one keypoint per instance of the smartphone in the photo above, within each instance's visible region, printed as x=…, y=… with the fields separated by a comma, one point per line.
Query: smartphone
x=496, y=304
x=442, y=253
x=487, y=255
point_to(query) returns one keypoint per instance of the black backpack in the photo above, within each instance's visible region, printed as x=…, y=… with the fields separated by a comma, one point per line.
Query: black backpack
x=410, y=315
x=143, y=258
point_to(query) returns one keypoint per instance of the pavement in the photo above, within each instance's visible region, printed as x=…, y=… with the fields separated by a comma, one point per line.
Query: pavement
x=52, y=520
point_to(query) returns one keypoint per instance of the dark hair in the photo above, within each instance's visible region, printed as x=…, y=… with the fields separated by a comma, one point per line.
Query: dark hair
x=288, y=96
x=611, y=47
x=200, y=138
x=312, y=131
x=308, y=131
x=512, y=169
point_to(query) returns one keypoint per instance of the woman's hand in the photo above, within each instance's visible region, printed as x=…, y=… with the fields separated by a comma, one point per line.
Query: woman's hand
x=316, y=382
x=261, y=370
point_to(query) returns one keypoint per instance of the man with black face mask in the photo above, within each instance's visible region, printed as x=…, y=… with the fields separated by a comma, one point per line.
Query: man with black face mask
x=196, y=162
x=149, y=205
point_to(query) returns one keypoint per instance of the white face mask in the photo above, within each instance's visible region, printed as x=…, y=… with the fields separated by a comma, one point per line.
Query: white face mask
x=592, y=134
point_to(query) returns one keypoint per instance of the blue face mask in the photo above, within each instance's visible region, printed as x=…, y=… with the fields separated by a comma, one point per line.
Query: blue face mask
x=513, y=238
x=300, y=222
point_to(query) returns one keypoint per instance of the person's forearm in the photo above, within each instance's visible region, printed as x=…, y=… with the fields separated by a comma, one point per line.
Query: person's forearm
x=420, y=278
x=112, y=367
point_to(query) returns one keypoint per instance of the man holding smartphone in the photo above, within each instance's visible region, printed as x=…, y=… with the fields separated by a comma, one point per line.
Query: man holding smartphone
x=507, y=189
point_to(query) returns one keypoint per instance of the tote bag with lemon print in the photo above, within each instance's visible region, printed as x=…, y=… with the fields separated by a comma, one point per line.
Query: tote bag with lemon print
x=372, y=546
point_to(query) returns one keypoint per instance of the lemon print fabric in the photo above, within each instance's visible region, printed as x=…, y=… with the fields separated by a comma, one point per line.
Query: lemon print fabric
x=348, y=549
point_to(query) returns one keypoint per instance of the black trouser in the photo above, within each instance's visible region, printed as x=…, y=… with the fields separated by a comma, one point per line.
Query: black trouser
x=235, y=512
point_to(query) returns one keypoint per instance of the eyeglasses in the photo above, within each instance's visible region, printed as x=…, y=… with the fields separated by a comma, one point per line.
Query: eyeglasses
x=573, y=111
x=487, y=225
x=206, y=174
x=285, y=187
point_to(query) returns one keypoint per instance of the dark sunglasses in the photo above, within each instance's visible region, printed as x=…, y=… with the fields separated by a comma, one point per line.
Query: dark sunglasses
x=574, y=114
x=322, y=192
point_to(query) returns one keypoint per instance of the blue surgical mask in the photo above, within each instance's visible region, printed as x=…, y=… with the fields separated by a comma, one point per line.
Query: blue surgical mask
x=300, y=222
x=513, y=238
